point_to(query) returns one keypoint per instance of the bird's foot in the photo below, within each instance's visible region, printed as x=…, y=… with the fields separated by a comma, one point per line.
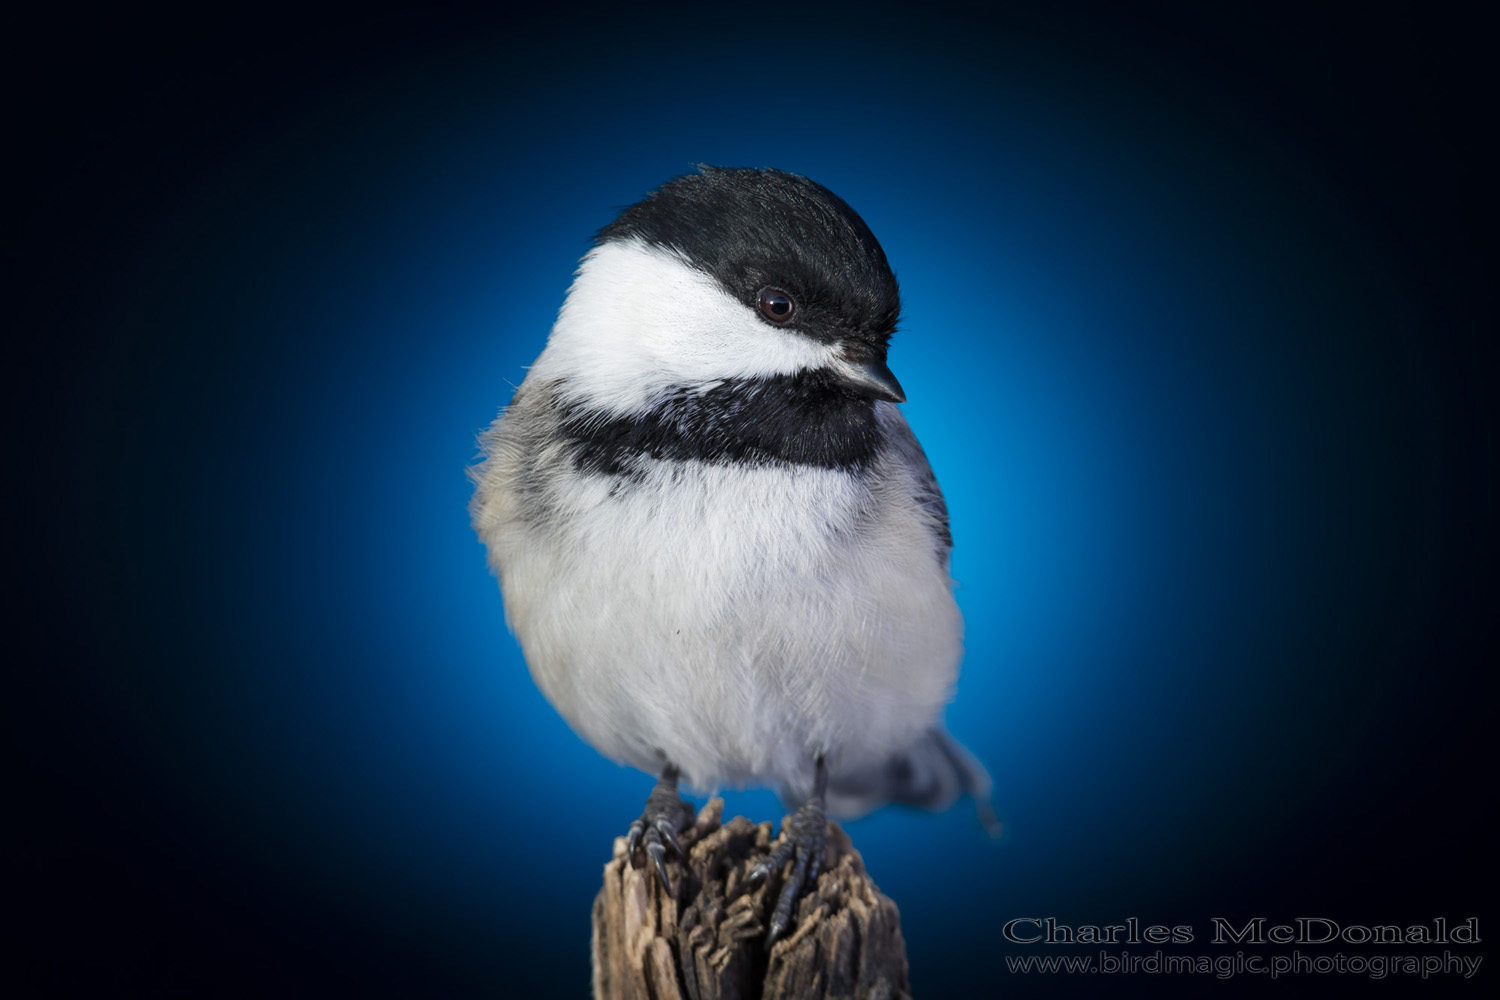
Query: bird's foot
x=666, y=815
x=804, y=840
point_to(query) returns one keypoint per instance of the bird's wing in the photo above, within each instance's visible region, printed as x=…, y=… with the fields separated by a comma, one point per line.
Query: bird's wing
x=908, y=452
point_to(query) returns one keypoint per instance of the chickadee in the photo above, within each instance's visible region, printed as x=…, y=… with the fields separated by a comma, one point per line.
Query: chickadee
x=720, y=545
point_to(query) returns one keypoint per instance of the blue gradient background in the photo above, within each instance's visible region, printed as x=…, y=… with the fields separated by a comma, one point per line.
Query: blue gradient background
x=1196, y=385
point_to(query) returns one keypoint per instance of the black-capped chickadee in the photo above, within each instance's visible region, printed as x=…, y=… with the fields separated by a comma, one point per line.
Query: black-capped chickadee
x=720, y=545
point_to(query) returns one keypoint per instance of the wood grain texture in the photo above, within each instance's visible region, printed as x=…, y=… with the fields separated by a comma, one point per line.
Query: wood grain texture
x=708, y=942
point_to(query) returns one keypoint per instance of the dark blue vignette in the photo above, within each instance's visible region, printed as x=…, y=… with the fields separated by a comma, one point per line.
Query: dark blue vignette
x=1177, y=384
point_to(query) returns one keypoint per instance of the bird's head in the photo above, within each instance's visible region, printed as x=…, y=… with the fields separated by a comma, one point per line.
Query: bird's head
x=724, y=275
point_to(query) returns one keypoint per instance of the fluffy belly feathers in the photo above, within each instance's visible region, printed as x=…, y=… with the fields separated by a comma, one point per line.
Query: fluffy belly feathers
x=732, y=643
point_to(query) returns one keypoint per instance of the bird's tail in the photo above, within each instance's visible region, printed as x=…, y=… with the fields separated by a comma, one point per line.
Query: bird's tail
x=931, y=774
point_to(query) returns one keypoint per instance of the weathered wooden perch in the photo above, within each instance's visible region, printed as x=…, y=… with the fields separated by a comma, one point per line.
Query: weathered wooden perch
x=708, y=944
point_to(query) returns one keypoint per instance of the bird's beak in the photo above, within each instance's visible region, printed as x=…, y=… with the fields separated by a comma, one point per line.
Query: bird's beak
x=871, y=378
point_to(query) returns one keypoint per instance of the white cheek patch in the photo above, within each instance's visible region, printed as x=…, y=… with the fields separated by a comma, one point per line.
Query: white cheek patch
x=639, y=319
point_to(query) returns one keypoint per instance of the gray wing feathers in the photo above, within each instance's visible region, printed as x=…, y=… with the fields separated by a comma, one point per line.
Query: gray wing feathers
x=907, y=451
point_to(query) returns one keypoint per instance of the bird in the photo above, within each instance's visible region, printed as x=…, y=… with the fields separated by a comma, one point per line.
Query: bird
x=722, y=549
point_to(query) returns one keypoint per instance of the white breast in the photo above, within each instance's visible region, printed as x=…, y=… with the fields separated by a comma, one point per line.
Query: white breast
x=735, y=621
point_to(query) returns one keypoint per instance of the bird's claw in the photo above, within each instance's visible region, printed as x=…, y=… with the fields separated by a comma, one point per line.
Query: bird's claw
x=666, y=814
x=804, y=841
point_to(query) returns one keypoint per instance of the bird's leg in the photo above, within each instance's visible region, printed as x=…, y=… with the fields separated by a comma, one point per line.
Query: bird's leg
x=666, y=814
x=804, y=834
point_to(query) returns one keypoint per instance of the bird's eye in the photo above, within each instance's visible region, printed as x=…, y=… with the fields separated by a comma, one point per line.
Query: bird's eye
x=776, y=305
